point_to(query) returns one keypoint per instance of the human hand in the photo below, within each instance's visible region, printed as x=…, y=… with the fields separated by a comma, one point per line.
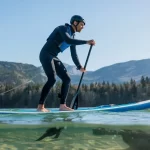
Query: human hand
x=82, y=70
x=91, y=42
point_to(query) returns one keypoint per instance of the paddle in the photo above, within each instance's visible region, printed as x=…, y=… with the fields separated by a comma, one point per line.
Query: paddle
x=74, y=103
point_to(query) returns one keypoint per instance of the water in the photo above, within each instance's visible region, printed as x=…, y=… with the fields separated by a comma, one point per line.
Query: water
x=81, y=131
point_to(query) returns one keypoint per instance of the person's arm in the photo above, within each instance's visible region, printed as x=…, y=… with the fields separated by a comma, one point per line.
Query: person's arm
x=75, y=57
x=68, y=39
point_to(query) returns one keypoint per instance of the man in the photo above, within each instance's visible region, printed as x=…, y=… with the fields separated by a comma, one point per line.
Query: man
x=59, y=40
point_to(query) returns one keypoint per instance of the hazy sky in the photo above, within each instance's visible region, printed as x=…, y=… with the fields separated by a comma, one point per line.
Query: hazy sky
x=121, y=29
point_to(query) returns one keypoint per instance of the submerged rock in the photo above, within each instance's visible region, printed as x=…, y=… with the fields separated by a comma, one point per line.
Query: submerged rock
x=51, y=132
x=137, y=140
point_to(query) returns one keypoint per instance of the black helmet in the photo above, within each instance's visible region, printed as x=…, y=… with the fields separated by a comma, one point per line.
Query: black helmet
x=77, y=18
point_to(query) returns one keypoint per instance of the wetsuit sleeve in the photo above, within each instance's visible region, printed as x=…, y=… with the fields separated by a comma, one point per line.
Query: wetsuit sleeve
x=75, y=56
x=68, y=39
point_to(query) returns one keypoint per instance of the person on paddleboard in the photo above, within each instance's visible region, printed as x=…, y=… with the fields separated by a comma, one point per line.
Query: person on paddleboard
x=59, y=40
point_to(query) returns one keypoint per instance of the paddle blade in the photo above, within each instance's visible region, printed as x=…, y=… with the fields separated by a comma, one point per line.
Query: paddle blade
x=74, y=103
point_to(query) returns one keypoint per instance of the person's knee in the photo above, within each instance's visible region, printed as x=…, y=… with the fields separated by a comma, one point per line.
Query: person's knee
x=51, y=81
x=67, y=80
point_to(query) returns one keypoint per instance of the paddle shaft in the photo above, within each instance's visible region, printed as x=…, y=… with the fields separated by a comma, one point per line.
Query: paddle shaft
x=74, y=100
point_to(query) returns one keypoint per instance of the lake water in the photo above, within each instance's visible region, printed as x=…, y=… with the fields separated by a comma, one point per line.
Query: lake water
x=80, y=131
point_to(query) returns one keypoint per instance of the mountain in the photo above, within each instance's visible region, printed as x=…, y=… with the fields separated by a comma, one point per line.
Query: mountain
x=19, y=73
x=121, y=72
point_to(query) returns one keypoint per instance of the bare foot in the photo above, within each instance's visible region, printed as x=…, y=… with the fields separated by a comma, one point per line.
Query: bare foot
x=63, y=107
x=41, y=108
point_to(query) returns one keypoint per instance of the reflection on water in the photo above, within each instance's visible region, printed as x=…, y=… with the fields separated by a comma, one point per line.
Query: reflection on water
x=101, y=131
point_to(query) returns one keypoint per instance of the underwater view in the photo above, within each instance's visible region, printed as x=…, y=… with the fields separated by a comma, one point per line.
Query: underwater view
x=76, y=131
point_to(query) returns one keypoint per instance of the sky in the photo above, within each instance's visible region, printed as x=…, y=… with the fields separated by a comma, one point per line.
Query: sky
x=120, y=28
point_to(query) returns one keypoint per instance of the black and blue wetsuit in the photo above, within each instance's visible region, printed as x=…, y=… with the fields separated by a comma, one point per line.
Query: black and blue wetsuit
x=59, y=40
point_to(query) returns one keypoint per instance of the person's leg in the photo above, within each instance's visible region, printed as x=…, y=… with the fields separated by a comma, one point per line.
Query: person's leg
x=63, y=75
x=49, y=68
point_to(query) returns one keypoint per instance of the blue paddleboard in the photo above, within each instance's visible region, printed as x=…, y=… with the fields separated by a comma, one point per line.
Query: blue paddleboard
x=112, y=108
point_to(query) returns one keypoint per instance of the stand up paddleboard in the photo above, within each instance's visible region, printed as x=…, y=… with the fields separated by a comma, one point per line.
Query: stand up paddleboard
x=111, y=108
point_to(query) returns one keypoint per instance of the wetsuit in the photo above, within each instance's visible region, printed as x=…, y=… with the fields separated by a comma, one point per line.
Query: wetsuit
x=59, y=40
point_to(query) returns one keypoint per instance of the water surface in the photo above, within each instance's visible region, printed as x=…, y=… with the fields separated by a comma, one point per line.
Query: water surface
x=81, y=131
